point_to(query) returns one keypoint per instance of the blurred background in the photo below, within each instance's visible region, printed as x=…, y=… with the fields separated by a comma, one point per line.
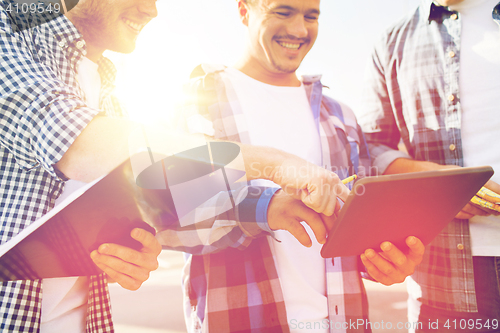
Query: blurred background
x=189, y=32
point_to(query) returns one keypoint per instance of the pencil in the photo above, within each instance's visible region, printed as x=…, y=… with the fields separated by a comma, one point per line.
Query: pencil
x=349, y=179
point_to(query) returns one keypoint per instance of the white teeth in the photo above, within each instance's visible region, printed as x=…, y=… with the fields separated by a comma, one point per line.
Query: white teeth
x=290, y=45
x=134, y=25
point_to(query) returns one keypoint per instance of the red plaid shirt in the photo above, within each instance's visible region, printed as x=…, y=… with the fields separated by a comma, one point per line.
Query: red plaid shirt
x=232, y=285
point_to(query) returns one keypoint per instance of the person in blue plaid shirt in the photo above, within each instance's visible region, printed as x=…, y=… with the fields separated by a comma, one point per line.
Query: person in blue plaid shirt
x=258, y=268
x=434, y=82
x=55, y=89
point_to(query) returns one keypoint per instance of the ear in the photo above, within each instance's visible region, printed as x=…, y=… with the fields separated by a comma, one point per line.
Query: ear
x=243, y=11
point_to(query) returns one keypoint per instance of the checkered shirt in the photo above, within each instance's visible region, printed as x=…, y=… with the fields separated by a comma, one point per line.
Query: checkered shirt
x=413, y=95
x=231, y=284
x=42, y=111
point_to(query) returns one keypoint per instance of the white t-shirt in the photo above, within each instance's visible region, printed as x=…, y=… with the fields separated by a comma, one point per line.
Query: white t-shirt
x=479, y=84
x=281, y=117
x=64, y=301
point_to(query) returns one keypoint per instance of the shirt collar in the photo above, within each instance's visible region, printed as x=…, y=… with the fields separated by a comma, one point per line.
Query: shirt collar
x=496, y=13
x=308, y=79
x=64, y=30
x=432, y=11
x=67, y=35
x=106, y=70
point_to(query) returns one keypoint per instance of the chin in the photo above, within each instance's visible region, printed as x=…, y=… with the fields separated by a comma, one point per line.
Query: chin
x=124, y=48
x=286, y=67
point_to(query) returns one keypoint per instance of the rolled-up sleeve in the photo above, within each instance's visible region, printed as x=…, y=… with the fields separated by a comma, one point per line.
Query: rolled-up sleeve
x=215, y=228
x=376, y=117
x=40, y=116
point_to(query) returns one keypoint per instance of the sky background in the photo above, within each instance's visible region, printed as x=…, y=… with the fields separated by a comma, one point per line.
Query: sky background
x=189, y=32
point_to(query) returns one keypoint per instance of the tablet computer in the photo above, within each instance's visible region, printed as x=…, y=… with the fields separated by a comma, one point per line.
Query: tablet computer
x=393, y=207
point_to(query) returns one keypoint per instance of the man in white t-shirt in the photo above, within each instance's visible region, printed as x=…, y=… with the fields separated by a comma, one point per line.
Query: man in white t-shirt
x=434, y=83
x=260, y=269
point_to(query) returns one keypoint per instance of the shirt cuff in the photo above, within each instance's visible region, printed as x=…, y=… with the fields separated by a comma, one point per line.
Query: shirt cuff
x=261, y=209
x=62, y=121
x=252, y=212
x=383, y=156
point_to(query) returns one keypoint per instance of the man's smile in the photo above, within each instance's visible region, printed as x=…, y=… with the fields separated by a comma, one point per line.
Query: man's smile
x=290, y=46
x=136, y=27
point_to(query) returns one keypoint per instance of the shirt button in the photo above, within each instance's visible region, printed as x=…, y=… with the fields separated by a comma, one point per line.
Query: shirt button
x=454, y=16
x=452, y=147
x=80, y=44
x=61, y=44
x=451, y=98
x=460, y=246
x=451, y=54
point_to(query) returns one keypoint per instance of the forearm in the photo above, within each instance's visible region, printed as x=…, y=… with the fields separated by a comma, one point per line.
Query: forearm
x=99, y=148
x=405, y=165
x=216, y=225
x=107, y=142
x=104, y=144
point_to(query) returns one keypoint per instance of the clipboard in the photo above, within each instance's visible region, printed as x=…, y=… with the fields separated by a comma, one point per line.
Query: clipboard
x=393, y=207
x=59, y=244
x=156, y=195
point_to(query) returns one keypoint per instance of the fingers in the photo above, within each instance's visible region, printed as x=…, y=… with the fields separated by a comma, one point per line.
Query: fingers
x=485, y=202
x=314, y=221
x=149, y=242
x=321, y=195
x=474, y=210
x=329, y=221
x=128, y=267
x=299, y=232
x=383, y=270
x=292, y=224
x=417, y=250
x=491, y=185
x=286, y=213
x=463, y=216
x=128, y=276
x=316, y=187
x=393, y=266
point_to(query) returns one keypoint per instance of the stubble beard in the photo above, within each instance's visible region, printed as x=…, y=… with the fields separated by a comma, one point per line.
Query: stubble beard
x=285, y=70
x=90, y=20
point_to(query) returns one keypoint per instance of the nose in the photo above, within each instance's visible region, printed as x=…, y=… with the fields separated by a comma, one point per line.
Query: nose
x=297, y=27
x=148, y=7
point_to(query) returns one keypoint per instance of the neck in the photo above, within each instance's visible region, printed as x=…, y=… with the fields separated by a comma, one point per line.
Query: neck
x=256, y=71
x=94, y=52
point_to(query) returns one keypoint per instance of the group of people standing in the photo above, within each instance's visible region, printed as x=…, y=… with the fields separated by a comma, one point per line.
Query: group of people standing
x=433, y=82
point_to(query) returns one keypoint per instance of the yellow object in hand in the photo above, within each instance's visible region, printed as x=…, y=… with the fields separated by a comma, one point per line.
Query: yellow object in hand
x=487, y=199
x=349, y=179
x=489, y=195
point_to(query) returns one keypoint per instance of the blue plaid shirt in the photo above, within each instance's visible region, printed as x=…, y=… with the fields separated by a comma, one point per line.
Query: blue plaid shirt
x=413, y=94
x=42, y=111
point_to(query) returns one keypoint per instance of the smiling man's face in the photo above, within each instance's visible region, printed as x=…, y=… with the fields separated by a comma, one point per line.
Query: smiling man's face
x=281, y=32
x=112, y=24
